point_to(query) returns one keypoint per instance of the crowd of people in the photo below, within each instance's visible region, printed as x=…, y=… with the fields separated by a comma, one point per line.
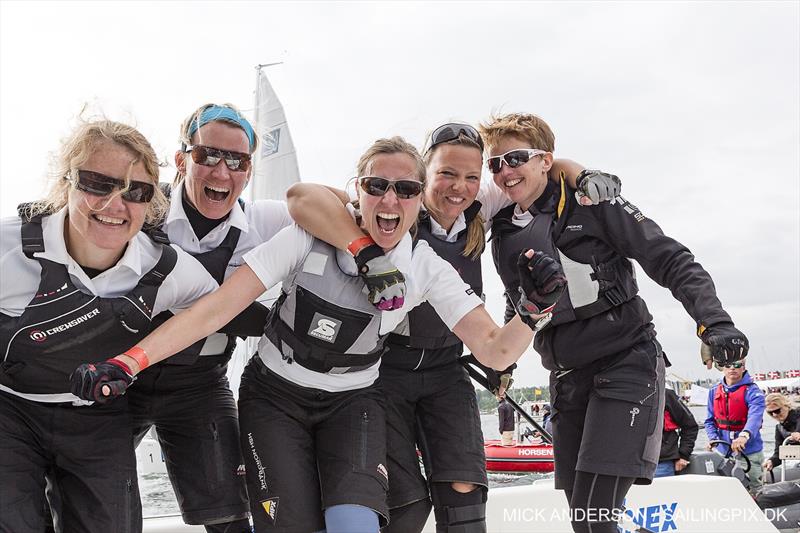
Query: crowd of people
x=121, y=300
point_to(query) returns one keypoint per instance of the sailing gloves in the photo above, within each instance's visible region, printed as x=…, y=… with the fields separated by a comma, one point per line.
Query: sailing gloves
x=101, y=382
x=542, y=281
x=597, y=186
x=500, y=381
x=722, y=343
x=386, y=284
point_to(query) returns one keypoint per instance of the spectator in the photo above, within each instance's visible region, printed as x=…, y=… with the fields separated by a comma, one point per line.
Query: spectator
x=677, y=441
x=780, y=408
x=506, y=415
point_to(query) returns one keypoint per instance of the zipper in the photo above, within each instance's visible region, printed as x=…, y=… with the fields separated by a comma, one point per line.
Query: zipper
x=363, y=438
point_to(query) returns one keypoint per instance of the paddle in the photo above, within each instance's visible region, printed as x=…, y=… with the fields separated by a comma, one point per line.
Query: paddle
x=481, y=380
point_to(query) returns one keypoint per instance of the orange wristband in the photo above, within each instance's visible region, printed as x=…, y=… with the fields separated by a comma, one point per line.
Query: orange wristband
x=138, y=355
x=359, y=244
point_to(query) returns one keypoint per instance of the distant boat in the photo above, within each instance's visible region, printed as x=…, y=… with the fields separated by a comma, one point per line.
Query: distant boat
x=518, y=458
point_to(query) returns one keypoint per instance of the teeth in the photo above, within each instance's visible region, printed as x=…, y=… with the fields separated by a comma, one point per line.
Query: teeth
x=109, y=220
x=511, y=183
x=454, y=199
x=218, y=189
x=389, y=216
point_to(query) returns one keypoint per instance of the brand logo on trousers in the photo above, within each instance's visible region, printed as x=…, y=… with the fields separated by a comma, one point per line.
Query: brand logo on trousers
x=324, y=327
x=634, y=412
x=270, y=507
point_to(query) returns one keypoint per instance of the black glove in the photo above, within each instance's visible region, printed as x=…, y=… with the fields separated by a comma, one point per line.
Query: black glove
x=542, y=281
x=386, y=284
x=724, y=343
x=500, y=378
x=597, y=186
x=88, y=380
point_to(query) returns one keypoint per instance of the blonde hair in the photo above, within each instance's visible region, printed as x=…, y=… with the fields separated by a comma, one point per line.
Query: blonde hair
x=79, y=146
x=476, y=233
x=524, y=126
x=186, y=125
x=778, y=399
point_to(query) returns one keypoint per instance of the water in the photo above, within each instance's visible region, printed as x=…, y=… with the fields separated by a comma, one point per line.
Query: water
x=158, y=497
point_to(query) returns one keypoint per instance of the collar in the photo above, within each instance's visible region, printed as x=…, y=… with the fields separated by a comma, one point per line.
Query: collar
x=237, y=218
x=55, y=249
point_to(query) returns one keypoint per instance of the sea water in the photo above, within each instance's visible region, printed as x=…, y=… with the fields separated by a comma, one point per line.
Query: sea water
x=158, y=497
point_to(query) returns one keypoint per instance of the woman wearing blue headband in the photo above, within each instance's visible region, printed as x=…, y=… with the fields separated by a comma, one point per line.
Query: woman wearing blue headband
x=188, y=398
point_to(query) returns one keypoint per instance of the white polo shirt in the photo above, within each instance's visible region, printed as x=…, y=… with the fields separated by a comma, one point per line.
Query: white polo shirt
x=492, y=200
x=258, y=223
x=428, y=278
x=20, y=276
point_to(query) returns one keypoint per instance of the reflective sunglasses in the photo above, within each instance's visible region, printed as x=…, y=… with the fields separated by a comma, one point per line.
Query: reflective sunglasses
x=210, y=157
x=98, y=184
x=377, y=186
x=775, y=412
x=734, y=365
x=451, y=131
x=513, y=158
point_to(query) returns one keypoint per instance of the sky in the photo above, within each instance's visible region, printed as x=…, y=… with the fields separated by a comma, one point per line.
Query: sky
x=695, y=105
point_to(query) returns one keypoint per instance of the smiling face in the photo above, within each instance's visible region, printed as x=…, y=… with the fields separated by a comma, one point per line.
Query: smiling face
x=99, y=227
x=214, y=190
x=523, y=185
x=388, y=218
x=453, y=181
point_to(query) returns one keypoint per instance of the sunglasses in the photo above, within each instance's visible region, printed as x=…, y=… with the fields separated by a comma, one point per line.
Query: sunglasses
x=377, y=186
x=513, y=159
x=733, y=365
x=210, y=157
x=98, y=184
x=775, y=412
x=451, y=132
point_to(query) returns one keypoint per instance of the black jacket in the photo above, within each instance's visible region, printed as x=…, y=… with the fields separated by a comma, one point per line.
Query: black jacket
x=783, y=430
x=600, y=234
x=506, y=414
x=680, y=442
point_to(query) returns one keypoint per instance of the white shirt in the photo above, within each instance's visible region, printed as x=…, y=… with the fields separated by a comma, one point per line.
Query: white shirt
x=20, y=276
x=428, y=278
x=258, y=223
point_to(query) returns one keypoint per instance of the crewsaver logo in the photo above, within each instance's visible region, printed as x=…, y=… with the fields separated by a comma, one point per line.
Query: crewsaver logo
x=38, y=335
x=324, y=327
x=271, y=508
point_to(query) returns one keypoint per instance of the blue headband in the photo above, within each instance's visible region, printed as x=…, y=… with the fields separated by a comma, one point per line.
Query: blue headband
x=214, y=113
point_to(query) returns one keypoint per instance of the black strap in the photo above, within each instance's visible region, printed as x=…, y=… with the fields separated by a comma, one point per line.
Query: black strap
x=166, y=263
x=31, y=235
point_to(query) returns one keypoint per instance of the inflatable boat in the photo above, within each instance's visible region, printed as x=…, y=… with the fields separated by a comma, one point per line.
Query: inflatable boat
x=518, y=458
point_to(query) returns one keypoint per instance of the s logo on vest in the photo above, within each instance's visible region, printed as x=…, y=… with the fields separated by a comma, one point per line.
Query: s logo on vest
x=324, y=327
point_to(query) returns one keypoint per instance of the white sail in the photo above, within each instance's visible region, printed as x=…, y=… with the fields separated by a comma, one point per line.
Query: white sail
x=275, y=161
x=275, y=169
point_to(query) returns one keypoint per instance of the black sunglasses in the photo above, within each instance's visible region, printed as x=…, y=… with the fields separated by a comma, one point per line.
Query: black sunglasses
x=451, y=131
x=210, y=157
x=98, y=184
x=513, y=159
x=734, y=365
x=377, y=186
x=775, y=412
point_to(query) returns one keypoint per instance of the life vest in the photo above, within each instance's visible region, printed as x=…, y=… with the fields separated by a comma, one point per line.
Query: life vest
x=593, y=287
x=423, y=328
x=669, y=423
x=216, y=263
x=730, y=408
x=63, y=327
x=323, y=320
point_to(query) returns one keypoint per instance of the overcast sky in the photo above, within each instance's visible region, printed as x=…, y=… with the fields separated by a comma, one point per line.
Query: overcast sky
x=694, y=105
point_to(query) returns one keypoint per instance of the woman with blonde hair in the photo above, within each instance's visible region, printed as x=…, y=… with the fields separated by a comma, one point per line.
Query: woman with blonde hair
x=311, y=410
x=780, y=408
x=80, y=281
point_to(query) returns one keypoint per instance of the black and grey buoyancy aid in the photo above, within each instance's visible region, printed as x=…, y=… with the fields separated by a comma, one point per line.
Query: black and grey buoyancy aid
x=426, y=330
x=63, y=327
x=593, y=286
x=323, y=320
x=216, y=263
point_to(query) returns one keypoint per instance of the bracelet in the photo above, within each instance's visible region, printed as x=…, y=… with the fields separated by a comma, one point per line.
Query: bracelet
x=359, y=244
x=139, y=355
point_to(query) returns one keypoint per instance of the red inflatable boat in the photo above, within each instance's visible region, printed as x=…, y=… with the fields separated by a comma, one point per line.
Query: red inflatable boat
x=518, y=458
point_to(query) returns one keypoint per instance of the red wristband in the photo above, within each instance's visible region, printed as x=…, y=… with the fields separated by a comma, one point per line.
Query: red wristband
x=138, y=355
x=359, y=244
